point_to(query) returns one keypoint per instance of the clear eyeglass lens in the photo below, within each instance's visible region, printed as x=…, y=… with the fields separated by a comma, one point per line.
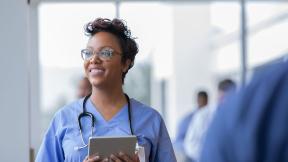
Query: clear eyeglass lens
x=106, y=53
x=86, y=54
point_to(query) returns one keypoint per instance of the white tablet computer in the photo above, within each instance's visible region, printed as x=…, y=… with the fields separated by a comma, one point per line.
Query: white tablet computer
x=105, y=146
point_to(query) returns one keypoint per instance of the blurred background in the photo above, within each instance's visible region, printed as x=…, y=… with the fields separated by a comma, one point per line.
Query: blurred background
x=184, y=46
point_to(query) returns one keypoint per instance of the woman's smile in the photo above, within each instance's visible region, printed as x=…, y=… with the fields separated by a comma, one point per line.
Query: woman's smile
x=96, y=71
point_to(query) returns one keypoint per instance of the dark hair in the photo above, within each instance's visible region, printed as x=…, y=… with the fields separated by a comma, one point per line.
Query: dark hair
x=203, y=94
x=226, y=85
x=118, y=28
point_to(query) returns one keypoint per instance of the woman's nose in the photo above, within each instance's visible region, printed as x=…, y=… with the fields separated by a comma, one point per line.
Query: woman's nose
x=95, y=59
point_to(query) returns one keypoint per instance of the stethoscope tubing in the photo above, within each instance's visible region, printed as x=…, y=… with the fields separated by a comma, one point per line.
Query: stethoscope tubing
x=85, y=113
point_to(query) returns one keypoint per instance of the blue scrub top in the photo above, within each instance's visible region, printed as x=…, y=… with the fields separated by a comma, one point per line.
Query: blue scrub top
x=252, y=125
x=63, y=133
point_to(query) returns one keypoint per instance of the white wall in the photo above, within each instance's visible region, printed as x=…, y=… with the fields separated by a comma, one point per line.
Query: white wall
x=14, y=111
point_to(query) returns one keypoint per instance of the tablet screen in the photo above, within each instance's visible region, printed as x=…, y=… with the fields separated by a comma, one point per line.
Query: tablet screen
x=106, y=145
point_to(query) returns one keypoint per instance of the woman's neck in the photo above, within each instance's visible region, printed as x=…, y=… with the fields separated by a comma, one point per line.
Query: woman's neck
x=108, y=102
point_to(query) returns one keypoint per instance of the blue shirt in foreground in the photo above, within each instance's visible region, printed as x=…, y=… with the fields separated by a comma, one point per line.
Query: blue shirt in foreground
x=63, y=133
x=252, y=126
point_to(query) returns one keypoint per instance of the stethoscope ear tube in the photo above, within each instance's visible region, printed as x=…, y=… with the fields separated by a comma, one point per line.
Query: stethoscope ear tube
x=85, y=113
x=88, y=114
x=129, y=113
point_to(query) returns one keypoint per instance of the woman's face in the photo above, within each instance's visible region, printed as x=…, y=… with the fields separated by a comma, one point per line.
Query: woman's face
x=101, y=72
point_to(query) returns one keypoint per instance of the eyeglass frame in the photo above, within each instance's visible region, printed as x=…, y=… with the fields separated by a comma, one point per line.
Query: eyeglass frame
x=113, y=52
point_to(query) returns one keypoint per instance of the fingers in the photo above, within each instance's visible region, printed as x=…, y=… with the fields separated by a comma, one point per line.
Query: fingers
x=86, y=159
x=121, y=157
x=136, y=158
x=115, y=158
x=95, y=158
x=105, y=160
x=125, y=157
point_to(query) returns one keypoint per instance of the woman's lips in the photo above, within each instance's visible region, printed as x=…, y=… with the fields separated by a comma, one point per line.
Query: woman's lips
x=96, y=71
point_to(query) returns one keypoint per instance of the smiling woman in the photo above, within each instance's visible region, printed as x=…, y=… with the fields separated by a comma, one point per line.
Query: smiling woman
x=105, y=45
x=109, y=54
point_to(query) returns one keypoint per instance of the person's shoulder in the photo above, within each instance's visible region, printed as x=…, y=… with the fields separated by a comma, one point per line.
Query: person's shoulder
x=72, y=106
x=201, y=115
x=270, y=72
x=141, y=108
x=188, y=116
x=203, y=111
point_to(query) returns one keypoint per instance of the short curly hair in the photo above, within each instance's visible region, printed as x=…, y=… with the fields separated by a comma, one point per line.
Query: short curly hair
x=118, y=28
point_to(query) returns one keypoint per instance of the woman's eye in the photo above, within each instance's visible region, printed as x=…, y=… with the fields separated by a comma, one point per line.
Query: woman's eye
x=88, y=54
x=106, y=53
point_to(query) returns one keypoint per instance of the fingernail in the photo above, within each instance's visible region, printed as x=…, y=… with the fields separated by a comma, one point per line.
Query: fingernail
x=96, y=158
x=121, y=153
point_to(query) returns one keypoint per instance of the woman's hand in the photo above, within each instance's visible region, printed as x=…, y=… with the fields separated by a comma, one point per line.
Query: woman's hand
x=121, y=157
x=95, y=158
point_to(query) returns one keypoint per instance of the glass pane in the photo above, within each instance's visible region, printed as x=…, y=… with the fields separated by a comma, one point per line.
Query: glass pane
x=268, y=34
x=189, y=46
x=225, y=21
x=61, y=37
x=152, y=37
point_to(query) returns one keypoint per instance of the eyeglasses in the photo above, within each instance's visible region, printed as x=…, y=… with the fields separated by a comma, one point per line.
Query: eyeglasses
x=104, y=54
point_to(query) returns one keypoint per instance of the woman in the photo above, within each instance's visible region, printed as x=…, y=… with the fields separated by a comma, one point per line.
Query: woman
x=109, y=54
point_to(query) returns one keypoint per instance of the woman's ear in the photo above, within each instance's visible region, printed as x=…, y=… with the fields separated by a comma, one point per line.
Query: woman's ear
x=126, y=66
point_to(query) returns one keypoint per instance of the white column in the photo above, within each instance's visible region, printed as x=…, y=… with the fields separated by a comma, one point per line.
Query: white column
x=192, y=60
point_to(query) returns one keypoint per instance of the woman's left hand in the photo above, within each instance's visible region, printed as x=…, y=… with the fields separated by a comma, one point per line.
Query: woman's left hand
x=121, y=157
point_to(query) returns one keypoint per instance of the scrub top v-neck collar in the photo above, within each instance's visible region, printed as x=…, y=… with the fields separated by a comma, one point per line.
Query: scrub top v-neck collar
x=121, y=115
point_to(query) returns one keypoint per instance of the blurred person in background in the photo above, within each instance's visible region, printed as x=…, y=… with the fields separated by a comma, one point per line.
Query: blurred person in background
x=109, y=54
x=84, y=87
x=252, y=125
x=202, y=102
x=199, y=124
x=225, y=87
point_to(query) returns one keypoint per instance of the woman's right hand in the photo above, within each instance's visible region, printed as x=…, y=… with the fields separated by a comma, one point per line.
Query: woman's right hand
x=95, y=158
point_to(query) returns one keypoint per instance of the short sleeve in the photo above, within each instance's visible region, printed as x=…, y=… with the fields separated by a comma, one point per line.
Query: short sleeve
x=51, y=148
x=164, y=149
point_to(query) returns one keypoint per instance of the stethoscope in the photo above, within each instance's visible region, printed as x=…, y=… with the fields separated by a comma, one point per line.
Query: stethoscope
x=85, y=113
